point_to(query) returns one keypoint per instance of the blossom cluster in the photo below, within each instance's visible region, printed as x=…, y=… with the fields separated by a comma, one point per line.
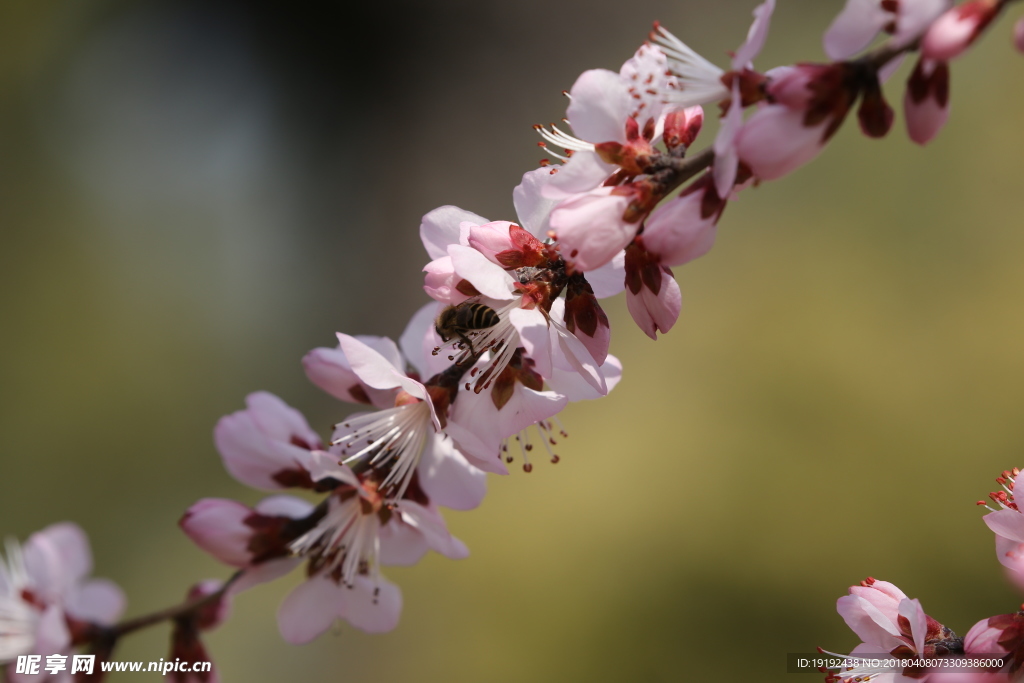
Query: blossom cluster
x=516, y=330
x=890, y=623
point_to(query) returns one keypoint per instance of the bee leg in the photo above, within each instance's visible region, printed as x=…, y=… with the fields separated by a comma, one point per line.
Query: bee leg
x=468, y=342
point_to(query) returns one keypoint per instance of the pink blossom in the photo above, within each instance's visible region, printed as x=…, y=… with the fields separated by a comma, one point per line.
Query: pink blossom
x=393, y=439
x=926, y=104
x=1007, y=523
x=45, y=595
x=957, y=29
x=887, y=621
x=1018, y=34
x=444, y=474
x=615, y=118
x=346, y=538
x=862, y=20
x=522, y=321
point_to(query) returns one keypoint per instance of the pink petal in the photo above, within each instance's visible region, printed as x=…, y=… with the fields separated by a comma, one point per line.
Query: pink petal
x=264, y=572
x=218, y=526
x=258, y=443
x=326, y=466
x=571, y=350
x=373, y=607
x=568, y=353
x=584, y=171
x=100, y=601
x=914, y=17
x=868, y=622
x=590, y=228
x=774, y=141
x=855, y=27
x=329, y=370
x=532, y=326
x=480, y=453
x=677, y=233
x=442, y=227
x=532, y=207
x=756, y=37
x=310, y=609
x=448, y=478
x=912, y=611
x=490, y=279
x=420, y=339
x=609, y=279
x=883, y=595
x=1010, y=553
x=889, y=69
x=599, y=107
x=52, y=635
x=1018, y=34
x=645, y=76
x=571, y=385
x=430, y=524
x=378, y=372
x=597, y=345
x=1007, y=523
x=284, y=506
x=528, y=407
x=726, y=160
x=56, y=558
x=401, y=544
x=491, y=239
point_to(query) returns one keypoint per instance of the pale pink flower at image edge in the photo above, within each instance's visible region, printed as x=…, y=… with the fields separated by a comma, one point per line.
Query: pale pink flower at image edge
x=44, y=587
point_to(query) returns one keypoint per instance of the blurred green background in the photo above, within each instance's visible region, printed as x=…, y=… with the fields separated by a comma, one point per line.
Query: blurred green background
x=193, y=194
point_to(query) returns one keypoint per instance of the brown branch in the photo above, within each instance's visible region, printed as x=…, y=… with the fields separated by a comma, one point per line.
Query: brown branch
x=177, y=611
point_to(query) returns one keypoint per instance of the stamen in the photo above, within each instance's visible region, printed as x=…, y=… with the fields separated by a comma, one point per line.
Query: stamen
x=394, y=437
x=563, y=139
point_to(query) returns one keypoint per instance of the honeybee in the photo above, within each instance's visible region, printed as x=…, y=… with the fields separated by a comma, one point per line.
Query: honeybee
x=459, y=320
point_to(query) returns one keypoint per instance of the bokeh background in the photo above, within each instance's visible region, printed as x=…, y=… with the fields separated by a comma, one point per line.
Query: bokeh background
x=194, y=194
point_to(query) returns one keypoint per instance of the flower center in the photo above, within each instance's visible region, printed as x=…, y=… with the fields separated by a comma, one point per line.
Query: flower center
x=391, y=440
